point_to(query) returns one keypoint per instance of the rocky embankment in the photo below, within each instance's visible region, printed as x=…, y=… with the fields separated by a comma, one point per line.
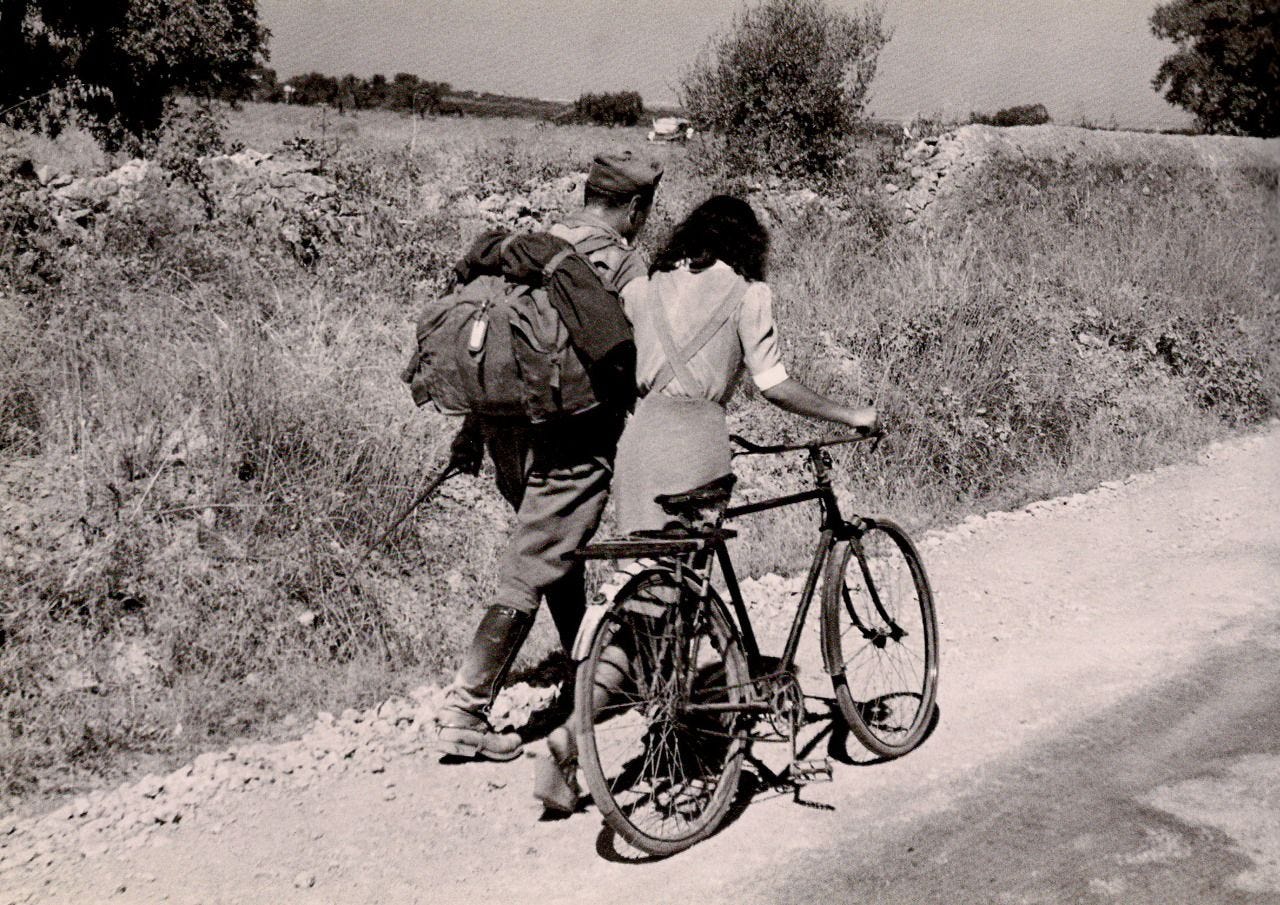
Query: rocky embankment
x=939, y=168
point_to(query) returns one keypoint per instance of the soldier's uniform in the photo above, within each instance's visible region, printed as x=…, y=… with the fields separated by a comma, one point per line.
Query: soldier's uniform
x=557, y=478
x=614, y=258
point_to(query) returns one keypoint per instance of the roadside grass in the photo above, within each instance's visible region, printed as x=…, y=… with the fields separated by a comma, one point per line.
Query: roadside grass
x=215, y=429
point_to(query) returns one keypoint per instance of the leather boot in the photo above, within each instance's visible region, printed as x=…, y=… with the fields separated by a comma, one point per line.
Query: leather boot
x=463, y=721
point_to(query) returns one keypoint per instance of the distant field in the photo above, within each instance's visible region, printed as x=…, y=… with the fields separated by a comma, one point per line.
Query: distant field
x=211, y=423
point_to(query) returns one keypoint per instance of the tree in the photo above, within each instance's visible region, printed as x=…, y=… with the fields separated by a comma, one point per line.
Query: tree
x=373, y=93
x=1021, y=115
x=409, y=93
x=623, y=108
x=314, y=88
x=266, y=86
x=1227, y=65
x=782, y=90
x=116, y=61
x=350, y=92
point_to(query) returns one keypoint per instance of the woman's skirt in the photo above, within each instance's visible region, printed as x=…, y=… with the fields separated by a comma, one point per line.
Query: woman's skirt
x=671, y=444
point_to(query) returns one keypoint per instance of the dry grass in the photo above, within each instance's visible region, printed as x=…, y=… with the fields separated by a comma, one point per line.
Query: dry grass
x=216, y=429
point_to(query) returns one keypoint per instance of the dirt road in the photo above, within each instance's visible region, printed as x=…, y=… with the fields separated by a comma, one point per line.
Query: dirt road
x=1110, y=732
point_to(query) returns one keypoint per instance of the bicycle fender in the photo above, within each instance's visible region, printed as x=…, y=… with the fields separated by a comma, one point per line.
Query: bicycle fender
x=596, y=611
x=587, y=630
x=830, y=644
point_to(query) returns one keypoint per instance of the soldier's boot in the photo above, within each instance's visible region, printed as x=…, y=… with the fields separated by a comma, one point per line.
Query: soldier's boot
x=463, y=722
x=555, y=778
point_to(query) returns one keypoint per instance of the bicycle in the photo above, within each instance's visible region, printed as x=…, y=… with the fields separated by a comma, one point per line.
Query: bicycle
x=671, y=682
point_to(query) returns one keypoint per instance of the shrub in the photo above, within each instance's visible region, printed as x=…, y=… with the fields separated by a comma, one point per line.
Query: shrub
x=191, y=132
x=1022, y=115
x=781, y=91
x=624, y=108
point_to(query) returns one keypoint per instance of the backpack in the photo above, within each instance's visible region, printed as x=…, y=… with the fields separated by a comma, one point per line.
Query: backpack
x=495, y=347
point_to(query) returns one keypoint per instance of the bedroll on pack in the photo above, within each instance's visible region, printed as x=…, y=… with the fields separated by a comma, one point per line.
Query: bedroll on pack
x=497, y=347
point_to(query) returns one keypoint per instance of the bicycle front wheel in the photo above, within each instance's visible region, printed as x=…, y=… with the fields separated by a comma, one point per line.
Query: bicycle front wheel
x=661, y=745
x=880, y=638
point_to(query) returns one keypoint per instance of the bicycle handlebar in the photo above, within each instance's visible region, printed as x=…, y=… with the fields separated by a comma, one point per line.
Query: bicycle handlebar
x=755, y=449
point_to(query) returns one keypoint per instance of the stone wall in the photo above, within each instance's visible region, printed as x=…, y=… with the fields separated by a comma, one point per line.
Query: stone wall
x=940, y=167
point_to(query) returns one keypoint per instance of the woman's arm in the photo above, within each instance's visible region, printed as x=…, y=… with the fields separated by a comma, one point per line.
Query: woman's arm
x=793, y=396
x=760, y=352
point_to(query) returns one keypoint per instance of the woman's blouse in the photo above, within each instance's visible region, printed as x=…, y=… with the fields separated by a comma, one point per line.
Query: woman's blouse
x=689, y=299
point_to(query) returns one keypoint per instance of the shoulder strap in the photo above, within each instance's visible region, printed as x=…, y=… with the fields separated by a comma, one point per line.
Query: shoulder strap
x=677, y=364
x=596, y=242
x=556, y=260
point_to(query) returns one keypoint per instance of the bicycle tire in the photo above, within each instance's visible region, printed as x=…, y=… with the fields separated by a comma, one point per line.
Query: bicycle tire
x=880, y=638
x=662, y=779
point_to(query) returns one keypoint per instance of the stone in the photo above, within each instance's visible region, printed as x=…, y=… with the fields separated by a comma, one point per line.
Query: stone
x=304, y=880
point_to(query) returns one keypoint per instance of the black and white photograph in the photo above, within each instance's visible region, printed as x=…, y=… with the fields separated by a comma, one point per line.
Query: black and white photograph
x=761, y=452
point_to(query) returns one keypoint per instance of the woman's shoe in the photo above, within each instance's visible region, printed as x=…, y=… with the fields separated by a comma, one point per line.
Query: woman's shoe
x=555, y=778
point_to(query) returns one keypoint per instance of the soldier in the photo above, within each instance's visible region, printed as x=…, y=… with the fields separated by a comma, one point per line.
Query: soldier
x=555, y=476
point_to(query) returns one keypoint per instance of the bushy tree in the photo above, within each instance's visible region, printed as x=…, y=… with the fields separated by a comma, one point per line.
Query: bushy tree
x=116, y=61
x=314, y=88
x=622, y=108
x=414, y=95
x=1227, y=66
x=1021, y=115
x=782, y=90
x=373, y=93
x=266, y=86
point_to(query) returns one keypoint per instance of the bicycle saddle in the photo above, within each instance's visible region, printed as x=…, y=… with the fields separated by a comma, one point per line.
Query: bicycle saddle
x=712, y=493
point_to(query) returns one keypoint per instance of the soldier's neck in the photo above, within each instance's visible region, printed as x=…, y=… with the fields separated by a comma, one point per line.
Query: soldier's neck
x=615, y=219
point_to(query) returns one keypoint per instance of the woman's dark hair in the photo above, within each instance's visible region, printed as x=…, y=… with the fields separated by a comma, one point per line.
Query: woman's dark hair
x=722, y=228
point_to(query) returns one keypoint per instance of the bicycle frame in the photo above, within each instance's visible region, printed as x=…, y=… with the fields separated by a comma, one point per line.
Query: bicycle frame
x=693, y=554
x=834, y=528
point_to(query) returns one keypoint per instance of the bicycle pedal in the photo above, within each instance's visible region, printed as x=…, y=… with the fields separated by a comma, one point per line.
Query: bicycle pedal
x=805, y=771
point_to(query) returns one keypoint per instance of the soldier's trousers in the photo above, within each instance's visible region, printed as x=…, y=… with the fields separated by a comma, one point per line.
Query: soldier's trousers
x=557, y=479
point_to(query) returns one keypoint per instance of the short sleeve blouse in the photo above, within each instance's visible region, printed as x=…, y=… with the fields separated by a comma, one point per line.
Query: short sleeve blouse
x=748, y=340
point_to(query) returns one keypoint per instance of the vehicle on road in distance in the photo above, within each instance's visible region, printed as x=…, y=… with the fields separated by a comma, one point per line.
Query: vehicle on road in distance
x=671, y=128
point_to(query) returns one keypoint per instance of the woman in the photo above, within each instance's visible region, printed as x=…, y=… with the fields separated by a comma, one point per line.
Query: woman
x=702, y=318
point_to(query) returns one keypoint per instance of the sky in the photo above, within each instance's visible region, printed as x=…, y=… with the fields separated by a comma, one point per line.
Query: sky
x=1083, y=59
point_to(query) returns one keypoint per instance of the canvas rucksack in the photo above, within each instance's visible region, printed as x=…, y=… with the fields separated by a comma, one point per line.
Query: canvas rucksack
x=495, y=347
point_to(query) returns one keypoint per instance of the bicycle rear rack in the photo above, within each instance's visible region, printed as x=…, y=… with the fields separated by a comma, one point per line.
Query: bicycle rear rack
x=639, y=546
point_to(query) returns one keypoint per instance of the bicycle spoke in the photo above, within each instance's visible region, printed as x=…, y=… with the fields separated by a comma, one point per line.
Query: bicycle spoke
x=664, y=767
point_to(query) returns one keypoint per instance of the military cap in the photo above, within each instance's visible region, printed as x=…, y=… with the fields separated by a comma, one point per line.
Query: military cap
x=623, y=173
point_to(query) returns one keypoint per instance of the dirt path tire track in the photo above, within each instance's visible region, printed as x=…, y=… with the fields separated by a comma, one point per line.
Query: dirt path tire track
x=1050, y=619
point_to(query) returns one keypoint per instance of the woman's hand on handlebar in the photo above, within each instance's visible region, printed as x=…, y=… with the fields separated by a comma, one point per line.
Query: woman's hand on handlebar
x=864, y=419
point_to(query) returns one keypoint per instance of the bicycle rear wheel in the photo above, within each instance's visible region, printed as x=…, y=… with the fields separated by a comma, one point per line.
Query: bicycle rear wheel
x=880, y=638
x=661, y=762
